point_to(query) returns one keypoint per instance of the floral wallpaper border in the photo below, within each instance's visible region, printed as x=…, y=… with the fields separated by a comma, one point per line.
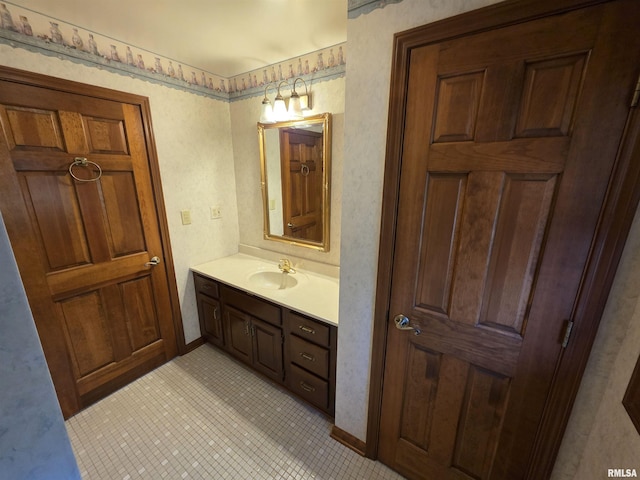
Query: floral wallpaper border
x=24, y=28
x=323, y=64
x=362, y=7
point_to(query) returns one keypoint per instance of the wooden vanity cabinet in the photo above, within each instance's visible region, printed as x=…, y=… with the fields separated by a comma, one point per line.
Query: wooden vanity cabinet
x=292, y=349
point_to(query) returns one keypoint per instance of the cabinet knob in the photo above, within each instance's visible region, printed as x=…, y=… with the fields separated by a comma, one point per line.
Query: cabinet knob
x=306, y=329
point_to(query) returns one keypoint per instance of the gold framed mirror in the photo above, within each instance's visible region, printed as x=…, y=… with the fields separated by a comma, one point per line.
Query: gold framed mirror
x=295, y=167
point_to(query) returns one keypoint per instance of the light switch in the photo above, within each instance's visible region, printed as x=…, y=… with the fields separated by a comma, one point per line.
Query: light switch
x=272, y=204
x=186, y=217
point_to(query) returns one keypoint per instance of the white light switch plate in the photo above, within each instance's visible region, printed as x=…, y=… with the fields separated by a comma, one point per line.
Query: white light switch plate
x=186, y=217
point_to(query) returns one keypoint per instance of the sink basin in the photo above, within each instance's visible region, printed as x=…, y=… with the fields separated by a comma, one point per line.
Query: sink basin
x=272, y=280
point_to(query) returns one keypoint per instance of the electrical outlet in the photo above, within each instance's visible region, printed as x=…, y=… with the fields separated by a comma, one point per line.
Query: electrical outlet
x=216, y=212
x=186, y=217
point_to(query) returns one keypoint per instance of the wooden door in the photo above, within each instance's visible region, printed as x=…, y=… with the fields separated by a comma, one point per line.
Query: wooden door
x=83, y=245
x=510, y=138
x=302, y=183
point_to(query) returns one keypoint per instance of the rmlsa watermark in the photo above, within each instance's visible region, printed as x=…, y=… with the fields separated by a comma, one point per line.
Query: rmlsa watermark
x=622, y=473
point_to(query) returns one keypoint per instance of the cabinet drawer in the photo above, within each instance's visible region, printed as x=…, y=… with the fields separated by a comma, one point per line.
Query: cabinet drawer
x=252, y=305
x=309, y=329
x=309, y=387
x=206, y=285
x=309, y=356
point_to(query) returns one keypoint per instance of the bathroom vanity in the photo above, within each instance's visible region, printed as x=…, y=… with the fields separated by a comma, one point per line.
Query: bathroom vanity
x=284, y=326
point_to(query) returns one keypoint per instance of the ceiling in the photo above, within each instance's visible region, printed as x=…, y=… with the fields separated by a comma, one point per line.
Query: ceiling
x=224, y=37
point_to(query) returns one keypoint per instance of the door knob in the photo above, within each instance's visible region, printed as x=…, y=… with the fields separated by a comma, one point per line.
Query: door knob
x=153, y=262
x=403, y=323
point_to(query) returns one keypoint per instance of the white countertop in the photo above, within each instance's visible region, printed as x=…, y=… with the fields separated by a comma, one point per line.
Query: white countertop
x=314, y=295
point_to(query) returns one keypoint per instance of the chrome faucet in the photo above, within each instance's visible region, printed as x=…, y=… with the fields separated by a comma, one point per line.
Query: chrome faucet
x=285, y=266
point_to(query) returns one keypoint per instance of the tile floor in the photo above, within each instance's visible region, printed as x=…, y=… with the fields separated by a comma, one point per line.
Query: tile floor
x=205, y=416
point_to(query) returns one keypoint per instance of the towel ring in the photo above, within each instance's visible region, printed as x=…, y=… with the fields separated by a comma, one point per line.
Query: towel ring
x=84, y=162
x=304, y=169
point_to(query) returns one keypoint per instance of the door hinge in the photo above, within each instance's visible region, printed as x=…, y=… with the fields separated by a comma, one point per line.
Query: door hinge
x=636, y=94
x=567, y=334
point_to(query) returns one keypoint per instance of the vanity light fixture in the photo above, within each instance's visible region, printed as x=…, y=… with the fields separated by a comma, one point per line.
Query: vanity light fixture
x=279, y=112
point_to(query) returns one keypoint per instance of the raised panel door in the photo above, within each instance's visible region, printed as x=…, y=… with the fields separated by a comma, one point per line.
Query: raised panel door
x=83, y=232
x=504, y=170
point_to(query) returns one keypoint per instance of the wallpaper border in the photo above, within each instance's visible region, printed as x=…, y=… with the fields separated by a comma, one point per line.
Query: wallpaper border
x=49, y=36
x=36, y=45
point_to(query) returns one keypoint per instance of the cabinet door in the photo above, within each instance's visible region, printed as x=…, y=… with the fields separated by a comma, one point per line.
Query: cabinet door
x=210, y=319
x=238, y=334
x=267, y=349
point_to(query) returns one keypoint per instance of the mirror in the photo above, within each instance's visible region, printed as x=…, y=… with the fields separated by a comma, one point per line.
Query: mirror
x=295, y=161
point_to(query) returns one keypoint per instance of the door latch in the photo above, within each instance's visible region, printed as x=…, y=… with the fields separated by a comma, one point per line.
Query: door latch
x=153, y=262
x=403, y=323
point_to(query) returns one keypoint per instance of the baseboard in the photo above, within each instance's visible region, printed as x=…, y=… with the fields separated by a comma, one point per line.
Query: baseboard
x=189, y=347
x=348, y=440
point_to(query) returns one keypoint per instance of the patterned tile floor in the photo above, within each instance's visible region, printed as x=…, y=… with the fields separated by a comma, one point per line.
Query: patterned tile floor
x=205, y=416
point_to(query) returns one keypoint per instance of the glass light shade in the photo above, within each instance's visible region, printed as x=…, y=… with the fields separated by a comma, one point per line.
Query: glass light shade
x=280, y=109
x=266, y=116
x=295, y=110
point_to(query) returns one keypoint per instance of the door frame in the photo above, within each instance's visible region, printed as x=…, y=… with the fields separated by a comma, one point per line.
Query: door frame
x=69, y=86
x=613, y=227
